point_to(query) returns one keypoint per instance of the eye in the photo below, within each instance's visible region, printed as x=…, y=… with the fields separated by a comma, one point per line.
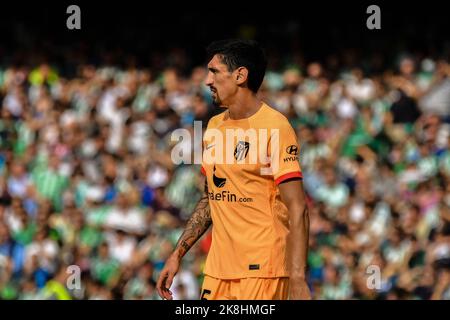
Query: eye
x=213, y=70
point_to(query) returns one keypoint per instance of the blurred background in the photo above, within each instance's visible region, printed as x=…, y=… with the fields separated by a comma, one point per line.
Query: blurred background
x=86, y=177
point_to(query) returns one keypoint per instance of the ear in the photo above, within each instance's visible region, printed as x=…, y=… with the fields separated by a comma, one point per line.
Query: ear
x=241, y=75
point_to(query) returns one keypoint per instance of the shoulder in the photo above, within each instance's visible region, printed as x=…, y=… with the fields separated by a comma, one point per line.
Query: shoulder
x=274, y=118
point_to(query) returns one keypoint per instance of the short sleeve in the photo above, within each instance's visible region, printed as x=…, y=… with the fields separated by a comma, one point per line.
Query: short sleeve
x=284, y=153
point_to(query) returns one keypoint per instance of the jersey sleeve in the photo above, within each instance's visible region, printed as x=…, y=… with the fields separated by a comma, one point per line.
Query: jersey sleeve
x=284, y=152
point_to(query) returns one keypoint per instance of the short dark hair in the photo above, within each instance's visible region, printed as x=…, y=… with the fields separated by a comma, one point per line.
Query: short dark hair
x=236, y=53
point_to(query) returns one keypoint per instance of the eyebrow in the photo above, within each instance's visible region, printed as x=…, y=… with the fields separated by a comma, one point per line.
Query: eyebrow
x=212, y=69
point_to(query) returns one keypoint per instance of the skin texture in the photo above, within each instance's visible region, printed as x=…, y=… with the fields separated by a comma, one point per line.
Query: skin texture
x=229, y=89
x=293, y=196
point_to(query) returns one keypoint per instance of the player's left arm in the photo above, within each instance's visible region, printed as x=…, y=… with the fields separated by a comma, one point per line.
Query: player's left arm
x=293, y=196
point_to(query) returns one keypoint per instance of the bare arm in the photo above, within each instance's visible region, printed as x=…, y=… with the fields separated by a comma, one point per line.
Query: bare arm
x=293, y=196
x=196, y=226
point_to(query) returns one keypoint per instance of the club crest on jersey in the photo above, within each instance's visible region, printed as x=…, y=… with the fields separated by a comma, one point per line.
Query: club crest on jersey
x=241, y=150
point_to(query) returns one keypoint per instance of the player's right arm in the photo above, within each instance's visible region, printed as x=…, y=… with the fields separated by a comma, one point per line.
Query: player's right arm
x=196, y=226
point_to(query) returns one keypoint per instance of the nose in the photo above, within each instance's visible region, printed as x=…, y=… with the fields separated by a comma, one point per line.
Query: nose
x=209, y=80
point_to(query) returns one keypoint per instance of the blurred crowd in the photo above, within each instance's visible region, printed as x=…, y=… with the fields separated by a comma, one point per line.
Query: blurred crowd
x=91, y=204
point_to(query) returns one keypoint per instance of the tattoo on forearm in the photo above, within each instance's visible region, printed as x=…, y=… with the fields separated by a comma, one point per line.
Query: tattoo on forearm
x=185, y=245
x=196, y=226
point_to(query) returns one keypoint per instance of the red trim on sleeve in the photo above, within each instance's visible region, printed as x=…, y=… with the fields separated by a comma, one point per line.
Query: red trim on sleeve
x=202, y=170
x=287, y=176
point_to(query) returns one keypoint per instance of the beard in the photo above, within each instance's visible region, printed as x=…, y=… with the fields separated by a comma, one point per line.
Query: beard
x=216, y=100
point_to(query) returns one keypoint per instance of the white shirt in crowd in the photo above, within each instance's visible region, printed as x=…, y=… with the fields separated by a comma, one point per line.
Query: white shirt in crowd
x=129, y=220
x=121, y=248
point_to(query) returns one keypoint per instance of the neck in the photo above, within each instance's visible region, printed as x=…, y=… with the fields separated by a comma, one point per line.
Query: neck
x=246, y=104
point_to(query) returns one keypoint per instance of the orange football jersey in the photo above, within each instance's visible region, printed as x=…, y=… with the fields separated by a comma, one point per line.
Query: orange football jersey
x=250, y=223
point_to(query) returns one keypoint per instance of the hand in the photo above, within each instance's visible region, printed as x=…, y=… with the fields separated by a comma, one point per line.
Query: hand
x=166, y=277
x=299, y=290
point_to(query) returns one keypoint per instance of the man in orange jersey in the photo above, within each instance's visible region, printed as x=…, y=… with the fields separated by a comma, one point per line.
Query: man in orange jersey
x=255, y=204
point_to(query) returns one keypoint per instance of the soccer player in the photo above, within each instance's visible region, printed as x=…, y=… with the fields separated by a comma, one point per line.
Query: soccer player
x=259, y=219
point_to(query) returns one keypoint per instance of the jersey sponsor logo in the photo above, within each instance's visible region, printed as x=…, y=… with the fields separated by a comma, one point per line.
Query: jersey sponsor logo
x=241, y=150
x=289, y=159
x=224, y=195
x=227, y=196
x=218, y=182
x=292, y=149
